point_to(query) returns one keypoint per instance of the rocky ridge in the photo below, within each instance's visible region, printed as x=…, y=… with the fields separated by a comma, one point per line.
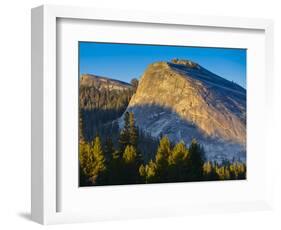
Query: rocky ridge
x=183, y=100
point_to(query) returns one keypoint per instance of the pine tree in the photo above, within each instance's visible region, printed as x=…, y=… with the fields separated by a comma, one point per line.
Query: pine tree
x=85, y=157
x=133, y=131
x=85, y=161
x=161, y=158
x=109, y=149
x=151, y=172
x=223, y=172
x=142, y=173
x=134, y=138
x=130, y=167
x=179, y=154
x=124, y=137
x=207, y=168
x=178, y=162
x=237, y=171
x=130, y=154
x=98, y=168
x=209, y=172
x=127, y=121
x=196, y=161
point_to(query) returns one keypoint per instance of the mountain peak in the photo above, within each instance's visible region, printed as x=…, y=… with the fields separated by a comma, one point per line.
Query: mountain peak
x=183, y=100
x=102, y=82
x=185, y=62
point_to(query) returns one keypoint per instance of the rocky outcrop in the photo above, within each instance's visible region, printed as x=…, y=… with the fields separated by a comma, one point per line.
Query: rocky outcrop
x=183, y=100
x=90, y=80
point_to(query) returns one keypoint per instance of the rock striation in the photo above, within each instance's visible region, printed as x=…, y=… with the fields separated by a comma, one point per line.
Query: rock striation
x=183, y=100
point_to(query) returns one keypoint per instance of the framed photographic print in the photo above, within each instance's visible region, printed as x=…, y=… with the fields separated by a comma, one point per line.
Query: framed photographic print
x=175, y=122
x=139, y=114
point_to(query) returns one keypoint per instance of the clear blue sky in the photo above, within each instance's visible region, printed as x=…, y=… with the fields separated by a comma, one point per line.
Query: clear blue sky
x=127, y=61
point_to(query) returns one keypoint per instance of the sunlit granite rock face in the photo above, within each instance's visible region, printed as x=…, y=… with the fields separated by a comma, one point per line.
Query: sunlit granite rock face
x=183, y=100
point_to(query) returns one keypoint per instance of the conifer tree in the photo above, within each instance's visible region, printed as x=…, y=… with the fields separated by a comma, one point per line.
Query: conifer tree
x=161, y=158
x=151, y=172
x=84, y=163
x=130, y=167
x=142, y=173
x=178, y=162
x=179, y=154
x=237, y=170
x=209, y=171
x=196, y=161
x=223, y=172
x=133, y=131
x=124, y=137
x=123, y=140
x=127, y=121
x=134, y=138
x=207, y=168
x=130, y=154
x=109, y=149
x=98, y=164
x=85, y=158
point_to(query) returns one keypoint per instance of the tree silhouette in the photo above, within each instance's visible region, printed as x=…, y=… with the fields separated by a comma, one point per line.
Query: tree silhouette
x=133, y=131
x=124, y=138
x=196, y=161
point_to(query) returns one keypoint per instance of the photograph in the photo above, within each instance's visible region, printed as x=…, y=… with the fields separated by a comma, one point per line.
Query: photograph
x=153, y=113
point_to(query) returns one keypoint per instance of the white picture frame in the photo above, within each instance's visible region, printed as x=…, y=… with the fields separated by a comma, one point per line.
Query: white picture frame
x=45, y=90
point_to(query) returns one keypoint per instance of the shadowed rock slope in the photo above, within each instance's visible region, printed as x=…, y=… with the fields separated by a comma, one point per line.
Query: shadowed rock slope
x=183, y=100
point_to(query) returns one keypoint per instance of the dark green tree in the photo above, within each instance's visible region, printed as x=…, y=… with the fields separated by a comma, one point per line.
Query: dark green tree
x=195, y=161
x=115, y=169
x=109, y=149
x=124, y=137
x=133, y=131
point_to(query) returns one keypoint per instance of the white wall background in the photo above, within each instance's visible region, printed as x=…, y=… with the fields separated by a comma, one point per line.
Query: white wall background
x=15, y=112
